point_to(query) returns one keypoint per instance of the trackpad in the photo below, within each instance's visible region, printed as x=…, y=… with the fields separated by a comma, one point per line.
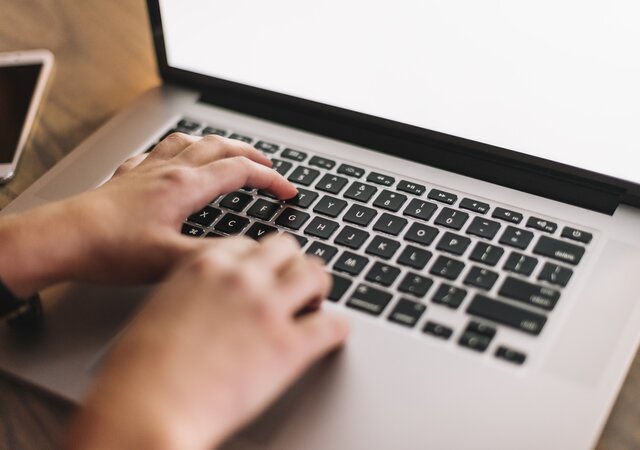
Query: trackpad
x=605, y=305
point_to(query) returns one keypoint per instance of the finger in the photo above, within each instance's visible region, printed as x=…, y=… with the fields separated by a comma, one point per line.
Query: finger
x=276, y=252
x=317, y=334
x=222, y=253
x=130, y=164
x=171, y=146
x=303, y=283
x=212, y=148
x=227, y=175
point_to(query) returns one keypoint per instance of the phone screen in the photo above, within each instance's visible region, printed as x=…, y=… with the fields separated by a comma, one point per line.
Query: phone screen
x=17, y=86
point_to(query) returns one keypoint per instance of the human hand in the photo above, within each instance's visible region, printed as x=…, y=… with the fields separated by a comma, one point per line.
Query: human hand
x=127, y=230
x=212, y=348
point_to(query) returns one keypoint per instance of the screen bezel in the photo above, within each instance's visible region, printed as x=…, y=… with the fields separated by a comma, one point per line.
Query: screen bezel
x=44, y=59
x=531, y=174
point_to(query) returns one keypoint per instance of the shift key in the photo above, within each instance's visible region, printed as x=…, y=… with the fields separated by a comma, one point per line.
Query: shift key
x=505, y=314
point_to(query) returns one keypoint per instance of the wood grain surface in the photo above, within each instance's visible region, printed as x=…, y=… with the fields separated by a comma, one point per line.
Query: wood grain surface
x=104, y=59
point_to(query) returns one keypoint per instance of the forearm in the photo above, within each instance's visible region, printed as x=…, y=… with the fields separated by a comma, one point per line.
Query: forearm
x=39, y=248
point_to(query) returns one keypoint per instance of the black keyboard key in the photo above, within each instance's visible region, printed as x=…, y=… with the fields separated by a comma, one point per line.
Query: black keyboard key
x=267, y=147
x=368, y=299
x=295, y=155
x=324, y=251
x=191, y=231
x=323, y=163
x=263, y=209
x=382, y=247
x=482, y=329
x=437, y=330
x=360, y=191
x=360, y=215
x=421, y=234
x=303, y=175
x=542, y=225
x=481, y=278
x=292, y=218
x=559, y=250
x=350, y=263
x=474, y=341
x=420, y=209
x=236, y=201
x=321, y=228
x=486, y=253
x=453, y=243
x=531, y=294
x=378, y=178
x=515, y=237
x=188, y=124
x=484, y=228
x=352, y=171
x=303, y=198
x=331, y=183
x=414, y=257
x=505, y=314
x=389, y=200
x=411, y=188
x=280, y=166
x=451, y=218
x=259, y=230
x=506, y=215
x=442, y=196
x=519, y=263
x=383, y=274
x=415, y=284
x=213, y=234
x=330, y=206
x=390, y=224
x=211, y=130
x=240, y=137
x=474, y=205
x=512, y=356
x=576, y=235
x=205, y=216
x=449, y=296
x=301, y=239
x=339, y=287
x=231, y=224
x=407, y=312
x=351, y=237
x=447, y=268
x=555, y=274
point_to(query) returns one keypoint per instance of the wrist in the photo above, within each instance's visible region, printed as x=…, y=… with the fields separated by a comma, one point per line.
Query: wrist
x=41, y=247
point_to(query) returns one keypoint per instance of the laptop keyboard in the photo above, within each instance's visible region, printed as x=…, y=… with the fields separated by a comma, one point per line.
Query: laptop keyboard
x=397, y=248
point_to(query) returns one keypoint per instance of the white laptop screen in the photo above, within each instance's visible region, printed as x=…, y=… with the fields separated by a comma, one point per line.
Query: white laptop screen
x=556, y=80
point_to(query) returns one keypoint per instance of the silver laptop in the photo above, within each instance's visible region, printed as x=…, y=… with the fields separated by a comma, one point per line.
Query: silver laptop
x=469, y=173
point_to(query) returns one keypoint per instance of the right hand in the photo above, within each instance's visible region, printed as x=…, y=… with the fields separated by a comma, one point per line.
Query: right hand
x=212, y=348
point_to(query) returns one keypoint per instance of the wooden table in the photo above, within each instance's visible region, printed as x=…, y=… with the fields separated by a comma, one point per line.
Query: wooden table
x=104, y=59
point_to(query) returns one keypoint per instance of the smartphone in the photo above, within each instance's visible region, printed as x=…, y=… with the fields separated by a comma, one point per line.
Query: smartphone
x=23, y=79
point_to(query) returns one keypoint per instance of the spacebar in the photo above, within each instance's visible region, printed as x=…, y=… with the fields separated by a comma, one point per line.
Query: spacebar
x=505, y=314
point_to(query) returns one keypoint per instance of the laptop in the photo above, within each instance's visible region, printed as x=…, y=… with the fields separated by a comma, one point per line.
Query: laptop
x=466, y=170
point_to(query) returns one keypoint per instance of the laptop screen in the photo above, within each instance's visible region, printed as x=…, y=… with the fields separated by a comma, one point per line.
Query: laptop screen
x=556, y=80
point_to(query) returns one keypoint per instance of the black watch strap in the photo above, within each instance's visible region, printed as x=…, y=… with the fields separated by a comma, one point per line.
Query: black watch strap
x=19, y=312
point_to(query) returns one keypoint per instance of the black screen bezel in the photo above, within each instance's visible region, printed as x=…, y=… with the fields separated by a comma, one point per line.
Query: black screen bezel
x=509, y=168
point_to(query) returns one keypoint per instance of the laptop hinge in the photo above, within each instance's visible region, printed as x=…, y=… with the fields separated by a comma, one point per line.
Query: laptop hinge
x=552, y=184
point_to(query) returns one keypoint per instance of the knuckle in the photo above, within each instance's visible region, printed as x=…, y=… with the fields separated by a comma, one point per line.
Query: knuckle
x=178, y=138
x=206, y=263
x=213, y=139
x=177, y=176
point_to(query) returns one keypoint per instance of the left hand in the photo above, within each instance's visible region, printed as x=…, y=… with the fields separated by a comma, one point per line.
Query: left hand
x=127, y=230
